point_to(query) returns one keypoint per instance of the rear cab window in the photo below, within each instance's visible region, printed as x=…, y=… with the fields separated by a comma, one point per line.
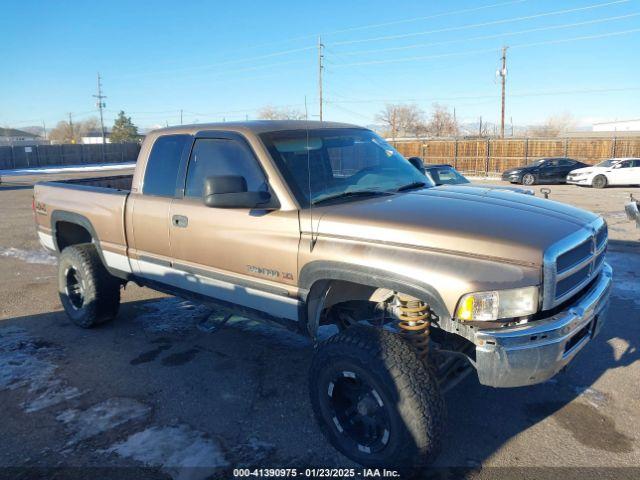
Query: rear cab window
x=161, y=174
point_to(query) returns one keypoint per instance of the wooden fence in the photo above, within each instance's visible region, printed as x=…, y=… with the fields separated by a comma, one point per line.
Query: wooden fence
x=12, y=157
x=491, y=156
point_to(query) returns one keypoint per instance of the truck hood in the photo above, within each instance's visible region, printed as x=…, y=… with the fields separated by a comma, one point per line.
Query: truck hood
x=480, y=222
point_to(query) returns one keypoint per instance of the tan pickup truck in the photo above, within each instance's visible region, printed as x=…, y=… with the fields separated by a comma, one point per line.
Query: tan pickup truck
x=312, y=224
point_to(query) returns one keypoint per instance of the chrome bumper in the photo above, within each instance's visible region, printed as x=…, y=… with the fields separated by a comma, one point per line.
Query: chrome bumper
x=534, y=352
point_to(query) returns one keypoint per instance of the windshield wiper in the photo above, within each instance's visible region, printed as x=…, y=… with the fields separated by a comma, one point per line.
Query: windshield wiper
x=411, y=186
x=354, y=193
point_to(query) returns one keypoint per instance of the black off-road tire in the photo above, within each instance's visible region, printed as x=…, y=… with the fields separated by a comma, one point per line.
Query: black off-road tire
x=529, y=179
x=408, y=397
x=599, y=181
x=99, y=299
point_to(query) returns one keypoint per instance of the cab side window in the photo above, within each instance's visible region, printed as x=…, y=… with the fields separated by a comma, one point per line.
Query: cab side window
x=162, y=167
x=215, y=156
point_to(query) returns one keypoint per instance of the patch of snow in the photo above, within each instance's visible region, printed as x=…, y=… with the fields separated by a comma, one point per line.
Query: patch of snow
x=21, y=362
x=27, y=363
x=275, y=332
x=180, y=451
x=172, y=315
x=55, y=391
x=99, y=418
x=626, y=276
x=594, y=397
x=29, y=256
x=96, y=167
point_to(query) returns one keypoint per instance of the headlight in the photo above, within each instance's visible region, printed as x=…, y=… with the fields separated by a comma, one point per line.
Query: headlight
x=487, y=306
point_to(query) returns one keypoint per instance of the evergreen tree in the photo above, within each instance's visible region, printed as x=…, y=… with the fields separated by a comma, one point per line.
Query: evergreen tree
x=123, y=130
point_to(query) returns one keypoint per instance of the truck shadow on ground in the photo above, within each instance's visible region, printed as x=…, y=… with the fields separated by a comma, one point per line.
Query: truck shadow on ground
x=245, y=384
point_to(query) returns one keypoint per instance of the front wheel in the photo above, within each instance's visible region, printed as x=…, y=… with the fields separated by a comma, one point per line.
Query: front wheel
x=375, y=400
x=89, y=294
x=600, y=181
x=528, y=179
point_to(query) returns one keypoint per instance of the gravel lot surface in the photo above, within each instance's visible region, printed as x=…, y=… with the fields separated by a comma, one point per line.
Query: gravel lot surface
x=153, y=389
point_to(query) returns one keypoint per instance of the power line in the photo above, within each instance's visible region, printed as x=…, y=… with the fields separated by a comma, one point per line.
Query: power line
x=419, y=19
x=222, y=63
x=473, y=52
x=483, y=24
x=577, y=39
x=493, y=96
x=488, y=37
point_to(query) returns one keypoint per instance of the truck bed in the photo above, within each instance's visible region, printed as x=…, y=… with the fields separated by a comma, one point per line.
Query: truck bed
x=97, y=203
x=116, y=182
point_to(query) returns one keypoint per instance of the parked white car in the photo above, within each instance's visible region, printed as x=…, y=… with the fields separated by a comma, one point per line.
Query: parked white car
x=614, y=171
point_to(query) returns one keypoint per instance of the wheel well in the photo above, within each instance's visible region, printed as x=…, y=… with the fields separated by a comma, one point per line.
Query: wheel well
x=68, y=233
x=325, y=295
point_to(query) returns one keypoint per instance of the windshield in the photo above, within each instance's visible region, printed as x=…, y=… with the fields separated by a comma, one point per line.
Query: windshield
x=541, y=161
x=607, y=163
x=446, y=176
x=345, y=163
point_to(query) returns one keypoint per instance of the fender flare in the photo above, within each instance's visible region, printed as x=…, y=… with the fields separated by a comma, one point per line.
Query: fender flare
x=84, y=222
x=315, y=279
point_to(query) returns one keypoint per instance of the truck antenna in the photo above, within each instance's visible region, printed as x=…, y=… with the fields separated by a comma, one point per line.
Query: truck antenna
x=306, y=123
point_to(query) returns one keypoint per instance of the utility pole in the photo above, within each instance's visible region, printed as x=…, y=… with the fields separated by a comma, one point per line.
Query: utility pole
x=503, y=77
x=44, y=130
x=480, y=127
x=100, y=104
x=71, y=127
x=320, y=68
x=180, y=116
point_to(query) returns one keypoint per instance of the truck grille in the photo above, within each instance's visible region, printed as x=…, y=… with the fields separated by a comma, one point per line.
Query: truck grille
x=572, y=263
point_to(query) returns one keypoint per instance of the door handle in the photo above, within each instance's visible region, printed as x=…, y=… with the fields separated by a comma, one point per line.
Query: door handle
x=180, y=221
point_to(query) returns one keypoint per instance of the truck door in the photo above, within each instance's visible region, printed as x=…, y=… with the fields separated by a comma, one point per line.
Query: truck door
x=150, y=250
x=239, y=255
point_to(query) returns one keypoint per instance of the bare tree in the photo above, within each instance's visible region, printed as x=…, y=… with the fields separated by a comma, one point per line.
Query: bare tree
x=441, y=123
x=270, y=112
x=401, y=120
x=554, y=126
x=64, y=132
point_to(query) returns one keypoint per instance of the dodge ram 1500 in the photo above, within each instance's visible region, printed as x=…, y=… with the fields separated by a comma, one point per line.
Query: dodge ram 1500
x=317, y=223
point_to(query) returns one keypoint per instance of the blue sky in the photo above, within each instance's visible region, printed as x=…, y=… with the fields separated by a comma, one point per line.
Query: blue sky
x=226, y=59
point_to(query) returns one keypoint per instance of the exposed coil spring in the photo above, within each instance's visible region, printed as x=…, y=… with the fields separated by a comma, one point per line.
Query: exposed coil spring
x=414, y=319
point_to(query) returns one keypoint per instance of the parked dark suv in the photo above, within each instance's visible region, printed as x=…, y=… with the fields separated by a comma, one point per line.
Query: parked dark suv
x=545, y=170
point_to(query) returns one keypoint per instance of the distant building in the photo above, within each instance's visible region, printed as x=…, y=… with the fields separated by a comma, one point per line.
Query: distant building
x=12, y=136
x=618, y=126
x=95, y=136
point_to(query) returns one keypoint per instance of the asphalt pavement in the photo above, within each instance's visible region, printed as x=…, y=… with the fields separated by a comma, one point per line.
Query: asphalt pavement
x=155, y=388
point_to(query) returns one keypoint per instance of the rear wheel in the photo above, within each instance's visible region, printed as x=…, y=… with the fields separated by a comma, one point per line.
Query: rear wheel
x=599, y=181
x=528, y=179
x=375, y=400
x=89, y=294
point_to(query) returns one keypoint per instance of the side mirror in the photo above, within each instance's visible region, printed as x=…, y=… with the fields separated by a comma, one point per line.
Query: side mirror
x=418, y=163
x=230, y=191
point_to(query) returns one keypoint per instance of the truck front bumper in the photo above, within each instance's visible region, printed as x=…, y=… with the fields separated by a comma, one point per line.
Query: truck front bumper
x=534, y=352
